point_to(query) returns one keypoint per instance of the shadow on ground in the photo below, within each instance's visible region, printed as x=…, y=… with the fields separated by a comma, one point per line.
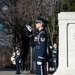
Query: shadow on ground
x=8, y=68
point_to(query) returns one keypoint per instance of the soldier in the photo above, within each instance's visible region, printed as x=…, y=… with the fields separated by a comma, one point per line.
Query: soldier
x=40, y=41
x=40, y=46
x=18, y=59
x=54, y=57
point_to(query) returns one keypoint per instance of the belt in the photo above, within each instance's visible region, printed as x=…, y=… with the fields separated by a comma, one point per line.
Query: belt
x=37, y=47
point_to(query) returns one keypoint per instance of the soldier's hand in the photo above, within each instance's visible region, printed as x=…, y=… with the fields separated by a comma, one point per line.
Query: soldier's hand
x=20, y=61
x=39, y=63
x=29, y=28
x=35, y=38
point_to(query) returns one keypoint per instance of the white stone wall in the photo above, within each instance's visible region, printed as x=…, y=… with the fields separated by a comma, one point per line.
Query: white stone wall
x=66, y=21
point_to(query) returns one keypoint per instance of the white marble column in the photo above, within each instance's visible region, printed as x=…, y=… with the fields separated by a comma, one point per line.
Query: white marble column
x=66, y=21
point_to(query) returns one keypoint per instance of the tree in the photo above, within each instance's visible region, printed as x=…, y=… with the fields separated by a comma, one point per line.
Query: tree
x=16, y=13
x=71, y=4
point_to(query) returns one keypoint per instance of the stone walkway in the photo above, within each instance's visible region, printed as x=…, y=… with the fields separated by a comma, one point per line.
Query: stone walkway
x=13, y=73
x=8, y=71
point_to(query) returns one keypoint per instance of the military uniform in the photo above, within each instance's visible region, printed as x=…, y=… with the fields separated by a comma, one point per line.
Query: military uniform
x=18, y=59
x=54, y=58
x=40, y=53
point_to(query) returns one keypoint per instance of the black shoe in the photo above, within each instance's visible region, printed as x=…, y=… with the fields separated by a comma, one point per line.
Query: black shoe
x=18, y=73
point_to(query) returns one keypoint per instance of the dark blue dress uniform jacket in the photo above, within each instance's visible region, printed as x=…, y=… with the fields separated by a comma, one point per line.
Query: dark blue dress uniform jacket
x=18, y=59
x=41, y=46
x=54, y=54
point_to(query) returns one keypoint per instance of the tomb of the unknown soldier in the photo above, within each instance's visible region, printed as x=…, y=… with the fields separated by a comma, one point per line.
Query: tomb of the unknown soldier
x=66, y=22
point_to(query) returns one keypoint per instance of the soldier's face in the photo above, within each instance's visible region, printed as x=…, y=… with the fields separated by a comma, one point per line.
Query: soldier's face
x=38, y=25
x=55, y=45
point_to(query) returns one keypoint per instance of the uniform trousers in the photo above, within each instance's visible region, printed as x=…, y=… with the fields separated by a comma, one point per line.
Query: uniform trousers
x=41, y=69
x=18, y=67
x=54, y=63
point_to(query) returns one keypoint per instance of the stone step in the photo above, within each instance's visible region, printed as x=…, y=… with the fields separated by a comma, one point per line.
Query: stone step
x=65, y=71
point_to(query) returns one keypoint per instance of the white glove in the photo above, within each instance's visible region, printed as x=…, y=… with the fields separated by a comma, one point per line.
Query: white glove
x=54, y=60
x=39, y=63
x=17, y=52
x=29, y=28
x=20, y=61
x=50, y=47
